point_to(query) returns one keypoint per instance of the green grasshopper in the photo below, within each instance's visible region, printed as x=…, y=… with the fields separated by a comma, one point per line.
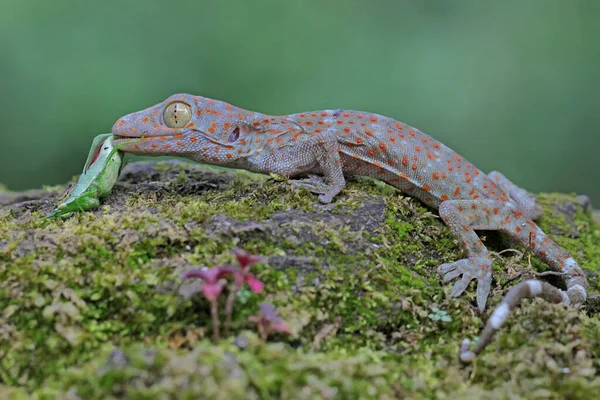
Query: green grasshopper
x=101, y=170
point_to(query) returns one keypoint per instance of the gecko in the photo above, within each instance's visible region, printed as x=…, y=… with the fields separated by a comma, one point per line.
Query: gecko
x=318, y=150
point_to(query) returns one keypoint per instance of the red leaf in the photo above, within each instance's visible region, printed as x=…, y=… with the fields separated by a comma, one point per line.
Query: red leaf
x=255, y=285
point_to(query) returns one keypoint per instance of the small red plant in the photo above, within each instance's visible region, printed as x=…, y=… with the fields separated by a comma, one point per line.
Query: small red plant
x=267, y=321
x=211, y=288
x=241, y=276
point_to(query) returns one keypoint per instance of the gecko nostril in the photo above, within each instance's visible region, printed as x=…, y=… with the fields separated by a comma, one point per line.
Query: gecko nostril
x=234, y=135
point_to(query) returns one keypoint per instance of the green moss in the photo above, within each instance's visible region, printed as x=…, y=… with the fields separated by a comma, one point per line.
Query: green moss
x=355, y=280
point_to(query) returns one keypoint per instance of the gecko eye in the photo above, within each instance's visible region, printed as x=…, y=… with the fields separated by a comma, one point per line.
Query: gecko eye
x=177, y=115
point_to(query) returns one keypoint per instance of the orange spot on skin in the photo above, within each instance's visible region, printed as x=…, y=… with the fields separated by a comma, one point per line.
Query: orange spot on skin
x=461, y=208
x=435, y=176
x=228, y=155
x=496, y=211
x=414, y=167
x=518, y=229
x=178, y=136
x=398, y=125
x=324, y=114
x=371, y=152
x=339, y=122
x=346, y=130
x=382, y=146
x=468, y=177
x=157, y=127
x=377, y=164
x=227, y=125
x=405, y=160
x=373, y=118
x=214, y=112
x=444, y=197
x=154, y=146
x=213, y=127
x=198, y=112
x=359, y=116
x=426, y=187
x=228, y=107
x=412, y=133
x=308, y=123
x=359, y=141
x=191, y=125
x=136, y=146
x=417, y=149
x=121, y=122
x=369, y=132
x=145, y=120
x=193, y=139
x=456, y=191
x=390, y=162
x=166, y=146
x=217, y=149
x=180, y=144
x=518, y=214
x=474, y=206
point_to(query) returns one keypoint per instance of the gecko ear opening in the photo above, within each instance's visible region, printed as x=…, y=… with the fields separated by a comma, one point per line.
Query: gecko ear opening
x=234, y=135
x=177, y=114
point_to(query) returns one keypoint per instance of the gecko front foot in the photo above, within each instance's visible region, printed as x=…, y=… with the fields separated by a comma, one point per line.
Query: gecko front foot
x=476, y=266
x=316, y=184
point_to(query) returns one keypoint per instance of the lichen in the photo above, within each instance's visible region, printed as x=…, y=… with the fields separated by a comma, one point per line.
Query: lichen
x=356, y=282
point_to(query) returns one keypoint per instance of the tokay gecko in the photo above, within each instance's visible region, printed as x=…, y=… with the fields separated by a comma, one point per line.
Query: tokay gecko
x=324, y=147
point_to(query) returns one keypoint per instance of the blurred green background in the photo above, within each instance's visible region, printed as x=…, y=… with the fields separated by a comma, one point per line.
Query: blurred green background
x=512, y=85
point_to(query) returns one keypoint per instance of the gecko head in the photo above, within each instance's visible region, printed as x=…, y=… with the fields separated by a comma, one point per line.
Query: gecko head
x=180, y=125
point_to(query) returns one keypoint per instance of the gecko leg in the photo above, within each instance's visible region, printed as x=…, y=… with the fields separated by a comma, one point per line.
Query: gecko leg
x=332, y=183
x=465, y=216
x=524, y=201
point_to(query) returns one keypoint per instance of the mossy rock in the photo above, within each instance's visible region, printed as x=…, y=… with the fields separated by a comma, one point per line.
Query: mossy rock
x=93, y=306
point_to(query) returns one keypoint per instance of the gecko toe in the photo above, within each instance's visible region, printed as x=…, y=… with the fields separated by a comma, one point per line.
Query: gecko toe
x=451, y=275
x=460, y=286
x=483, y=290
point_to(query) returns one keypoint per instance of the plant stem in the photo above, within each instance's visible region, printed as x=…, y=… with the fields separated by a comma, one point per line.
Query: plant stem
x=215, y=320
x=229, y=307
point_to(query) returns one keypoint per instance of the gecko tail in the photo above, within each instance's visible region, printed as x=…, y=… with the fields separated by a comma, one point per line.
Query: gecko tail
x=525, y=290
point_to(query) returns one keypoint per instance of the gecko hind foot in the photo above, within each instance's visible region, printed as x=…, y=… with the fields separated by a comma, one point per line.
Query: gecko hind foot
x=474, y=267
